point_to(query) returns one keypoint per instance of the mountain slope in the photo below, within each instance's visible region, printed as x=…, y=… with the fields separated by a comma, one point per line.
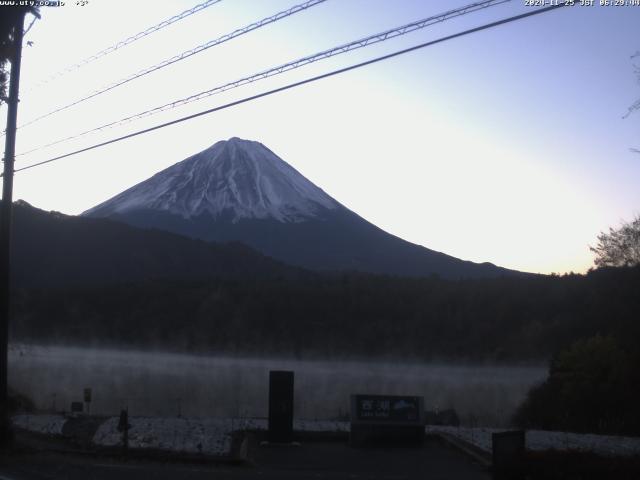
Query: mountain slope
x=50, y=249
x=238, y=190
x=235, y=179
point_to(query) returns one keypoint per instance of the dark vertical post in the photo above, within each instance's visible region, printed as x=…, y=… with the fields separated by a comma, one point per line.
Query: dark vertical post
x=5, y=221
x=280, y=406
x=123, y=426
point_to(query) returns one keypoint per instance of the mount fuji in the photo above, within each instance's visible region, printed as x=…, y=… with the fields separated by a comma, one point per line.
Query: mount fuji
x=239, y=190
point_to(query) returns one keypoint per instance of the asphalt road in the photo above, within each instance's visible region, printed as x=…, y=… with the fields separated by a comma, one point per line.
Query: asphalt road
x=310, y=460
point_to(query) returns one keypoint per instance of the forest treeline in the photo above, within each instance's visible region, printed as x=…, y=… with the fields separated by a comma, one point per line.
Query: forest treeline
x=343, y=315
x=593, y=387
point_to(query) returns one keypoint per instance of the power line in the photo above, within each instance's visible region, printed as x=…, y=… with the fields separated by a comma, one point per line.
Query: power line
x=363, y=42
x=33, y=20
x=302, y=82
x=186, y=54
x=131, y=39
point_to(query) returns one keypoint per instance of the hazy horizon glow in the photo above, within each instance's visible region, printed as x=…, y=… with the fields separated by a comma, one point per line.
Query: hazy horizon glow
x=506, y=146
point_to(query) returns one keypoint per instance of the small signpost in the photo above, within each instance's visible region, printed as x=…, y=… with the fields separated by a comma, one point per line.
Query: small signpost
x=124, y=426
x=386, y=418
x=87, y=399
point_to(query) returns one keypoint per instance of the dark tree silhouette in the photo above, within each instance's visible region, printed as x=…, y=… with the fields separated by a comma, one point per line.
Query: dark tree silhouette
x=591, y=388
x=620, y=247
x=8, y=16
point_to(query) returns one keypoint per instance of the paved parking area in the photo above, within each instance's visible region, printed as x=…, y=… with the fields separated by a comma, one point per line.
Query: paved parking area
x=310, y=459
x=336, y=459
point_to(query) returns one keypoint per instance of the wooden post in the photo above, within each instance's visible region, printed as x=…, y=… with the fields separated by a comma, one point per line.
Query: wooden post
x=5, y=224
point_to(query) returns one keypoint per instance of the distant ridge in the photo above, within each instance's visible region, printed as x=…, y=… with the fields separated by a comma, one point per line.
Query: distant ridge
x=61, y=251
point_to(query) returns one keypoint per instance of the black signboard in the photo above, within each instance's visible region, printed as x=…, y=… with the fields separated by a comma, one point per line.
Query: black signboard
x=388, y=419
x=388, y=408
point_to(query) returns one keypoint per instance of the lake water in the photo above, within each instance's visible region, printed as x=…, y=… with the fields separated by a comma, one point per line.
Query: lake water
x=160, y=384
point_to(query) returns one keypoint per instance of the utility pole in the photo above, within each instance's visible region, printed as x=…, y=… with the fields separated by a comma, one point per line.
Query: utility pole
x=5, y=223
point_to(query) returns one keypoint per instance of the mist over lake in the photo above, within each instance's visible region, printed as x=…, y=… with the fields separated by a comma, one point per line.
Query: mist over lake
x=176, y=384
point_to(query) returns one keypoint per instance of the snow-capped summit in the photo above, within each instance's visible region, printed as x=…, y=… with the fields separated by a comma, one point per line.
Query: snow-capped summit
x=236, y=178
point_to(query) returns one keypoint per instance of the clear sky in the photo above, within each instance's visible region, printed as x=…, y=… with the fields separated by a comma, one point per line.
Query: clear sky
x=506, y=146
